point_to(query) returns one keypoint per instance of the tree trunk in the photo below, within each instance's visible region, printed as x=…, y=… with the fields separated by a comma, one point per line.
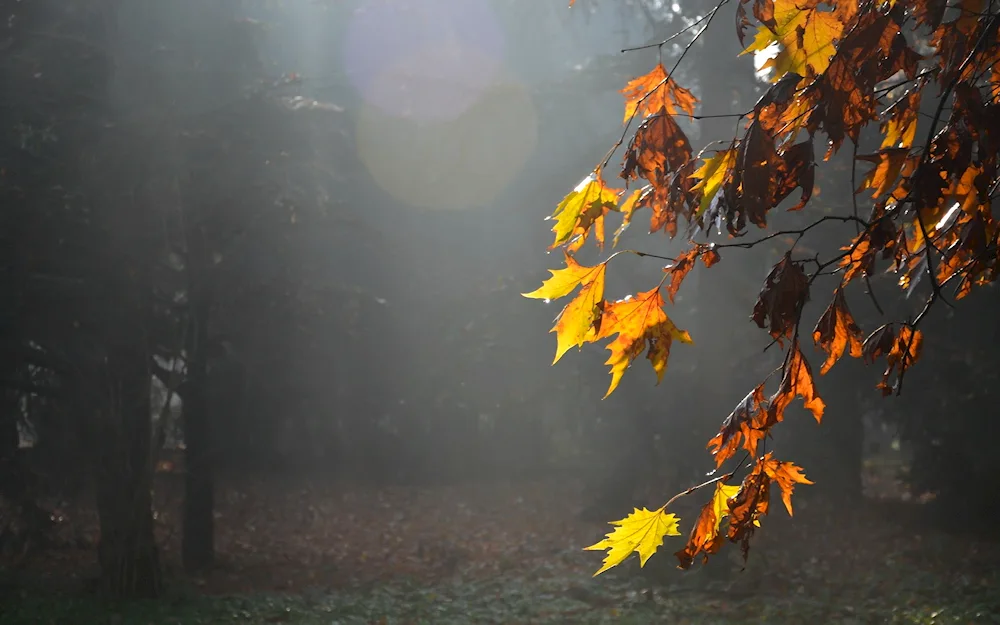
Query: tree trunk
x=130, y=566
x=198, y=542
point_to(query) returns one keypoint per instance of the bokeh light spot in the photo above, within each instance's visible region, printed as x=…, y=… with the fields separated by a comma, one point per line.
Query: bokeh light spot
x=458, y=163
x=443, y=55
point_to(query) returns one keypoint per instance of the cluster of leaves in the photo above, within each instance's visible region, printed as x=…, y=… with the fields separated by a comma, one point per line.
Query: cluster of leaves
x=841, y=68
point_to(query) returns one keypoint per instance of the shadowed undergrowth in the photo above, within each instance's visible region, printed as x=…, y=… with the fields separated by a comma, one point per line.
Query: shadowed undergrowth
x=303, y=553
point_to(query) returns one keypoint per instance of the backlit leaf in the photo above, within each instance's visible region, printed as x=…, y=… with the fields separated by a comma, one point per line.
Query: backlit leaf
x=641, y=532
x=639, y=323
x=836, y=331
x=653, y=92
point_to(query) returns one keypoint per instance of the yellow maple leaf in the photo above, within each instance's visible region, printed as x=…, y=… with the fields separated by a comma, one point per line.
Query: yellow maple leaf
x=806, y=37
x=641, y=532
x=575, y=323
x=712, y=174
x=638, y=321
x=584, y=205
x=720, y=498
x=563, y=281
x=627, y=209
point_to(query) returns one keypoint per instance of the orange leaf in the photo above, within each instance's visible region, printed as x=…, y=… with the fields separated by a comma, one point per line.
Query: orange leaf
x=705, y=538
x=653, y=92
x=639, y=322
x=889, y=163
x=835, y=330
x=786, y=474
x=679, y=270
x=746, y=423
x=796, y=381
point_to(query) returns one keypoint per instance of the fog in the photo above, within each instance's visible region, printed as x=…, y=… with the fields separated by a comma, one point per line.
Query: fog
x=307, y=225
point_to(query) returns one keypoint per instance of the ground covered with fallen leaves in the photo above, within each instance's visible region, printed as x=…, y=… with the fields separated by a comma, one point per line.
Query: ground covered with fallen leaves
x=304, y=551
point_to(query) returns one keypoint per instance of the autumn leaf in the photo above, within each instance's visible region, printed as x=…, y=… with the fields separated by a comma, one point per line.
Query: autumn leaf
x=658, y=147
x=712, y=174
x=904, y=349
x=639, y=322
x=564, y=281
x=889, y=163
x=705, y=538
x=652, y=92
x=641, y=532
x=806, y=36
x=900, y=121
x=746, y=424
x=635, y=200
x=786, y=474
x=576, y=321
x=785, y=291
x=836, y=330
x=747, y=506
x=796, y=381
x=584, y=205
x=684, y=263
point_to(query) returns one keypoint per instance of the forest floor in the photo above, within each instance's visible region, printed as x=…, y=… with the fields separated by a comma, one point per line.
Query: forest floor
x=304, y=552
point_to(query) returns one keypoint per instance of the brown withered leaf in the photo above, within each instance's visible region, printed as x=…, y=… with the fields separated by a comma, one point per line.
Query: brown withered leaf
x=705, y=537
x=785, y=291
x=796, y=169
x=836, y=330
x=968, y=258
x=878, y=343
x=869, y=54
x=901, y=349
x=879, y=238
x=744, y=426
x=904, y=353
x=929, y=13
x=752, y=181
x=747, y=507
x=796, y=381
x=658, y=147
x=710, y=255
x=680, y=268
x=684, y=263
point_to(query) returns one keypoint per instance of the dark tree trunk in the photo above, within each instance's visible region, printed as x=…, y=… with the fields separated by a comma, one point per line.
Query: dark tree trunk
x=198, y=542
x=130, y=566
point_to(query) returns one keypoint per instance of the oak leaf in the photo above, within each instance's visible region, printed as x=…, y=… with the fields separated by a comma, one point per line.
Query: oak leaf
x=641, y=532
